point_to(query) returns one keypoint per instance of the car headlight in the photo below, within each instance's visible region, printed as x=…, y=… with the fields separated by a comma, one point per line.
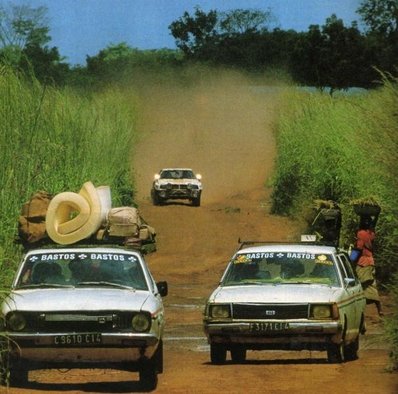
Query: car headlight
x=219, y=311
x=141, y=322
x=323, y=311
x=16, y=321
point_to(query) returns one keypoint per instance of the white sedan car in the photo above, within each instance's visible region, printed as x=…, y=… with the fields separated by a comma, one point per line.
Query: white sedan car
x=82, y=307
x=286, y=297
x=176, y=184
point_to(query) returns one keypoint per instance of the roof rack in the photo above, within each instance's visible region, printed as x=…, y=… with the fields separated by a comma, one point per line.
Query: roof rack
x=315, y=243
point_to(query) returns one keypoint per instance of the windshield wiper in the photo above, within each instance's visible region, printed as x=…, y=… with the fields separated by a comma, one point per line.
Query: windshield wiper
x=42, y=285
x=104, y=283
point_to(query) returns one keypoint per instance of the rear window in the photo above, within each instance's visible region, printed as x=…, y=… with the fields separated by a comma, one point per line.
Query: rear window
x=281, y=267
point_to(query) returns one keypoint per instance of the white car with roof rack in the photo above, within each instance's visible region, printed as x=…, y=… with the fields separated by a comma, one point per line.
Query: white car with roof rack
x=83, y=307
x=286, y=296
x=176, y=184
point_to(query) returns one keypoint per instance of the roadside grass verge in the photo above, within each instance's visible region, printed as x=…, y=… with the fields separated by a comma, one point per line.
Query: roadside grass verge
x=343, y=148
x=55, y=140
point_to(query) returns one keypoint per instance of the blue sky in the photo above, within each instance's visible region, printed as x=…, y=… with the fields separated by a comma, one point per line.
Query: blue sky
x=83, y=27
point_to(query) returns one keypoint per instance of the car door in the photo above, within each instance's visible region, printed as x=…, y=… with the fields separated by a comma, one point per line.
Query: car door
x=353, y=289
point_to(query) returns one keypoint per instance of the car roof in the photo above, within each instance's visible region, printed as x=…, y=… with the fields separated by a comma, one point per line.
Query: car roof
x=176, y=169
x=288, y=247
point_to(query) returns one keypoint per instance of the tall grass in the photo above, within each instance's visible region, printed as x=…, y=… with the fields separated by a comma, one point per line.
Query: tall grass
x=344, y=148
x=55, y=141
x=341, y=148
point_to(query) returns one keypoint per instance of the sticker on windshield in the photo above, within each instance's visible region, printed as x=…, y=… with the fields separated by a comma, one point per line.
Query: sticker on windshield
x=81, y=256
x=275, y=256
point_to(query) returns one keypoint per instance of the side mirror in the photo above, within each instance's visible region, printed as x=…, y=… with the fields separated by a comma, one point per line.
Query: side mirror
x=198, y=177
x=163, y=288
x=156, y=177
x=349, y=282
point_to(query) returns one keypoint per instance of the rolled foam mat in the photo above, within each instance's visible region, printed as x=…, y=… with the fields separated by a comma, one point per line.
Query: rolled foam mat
x=72, y=217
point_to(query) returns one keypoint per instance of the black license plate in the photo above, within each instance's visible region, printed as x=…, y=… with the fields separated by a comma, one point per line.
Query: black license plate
x=269, y=326
x=85, y=339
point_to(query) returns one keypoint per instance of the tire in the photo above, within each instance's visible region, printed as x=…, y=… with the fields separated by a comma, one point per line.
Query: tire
x=158, y=356
x=351, y=351
x=218, y=353
x=238, y=355
x=14, y=377
x=148, y=376
x=196, y=202
x=335, y=353
x=155, y=198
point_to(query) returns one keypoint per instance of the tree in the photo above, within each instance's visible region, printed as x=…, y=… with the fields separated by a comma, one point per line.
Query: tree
x=242, y=21
x=22, y=25
x=24, y=33
x=193, y=32
x=330, y=57
x=381, y=16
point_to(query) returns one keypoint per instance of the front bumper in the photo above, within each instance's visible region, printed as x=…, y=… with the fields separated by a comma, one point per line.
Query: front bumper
x=113, y=348
x=180, y=193
x=275, y=334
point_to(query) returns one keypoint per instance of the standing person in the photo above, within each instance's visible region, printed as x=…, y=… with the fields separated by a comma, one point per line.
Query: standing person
x=366, y=266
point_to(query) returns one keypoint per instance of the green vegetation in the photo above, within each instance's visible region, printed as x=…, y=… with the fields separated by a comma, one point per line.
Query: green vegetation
x=54, y=140
x=344, y=149
x=341, y=149
x=391, y=325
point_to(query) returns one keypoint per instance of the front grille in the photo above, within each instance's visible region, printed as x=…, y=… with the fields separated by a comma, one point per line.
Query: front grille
x=102, y=321
x=270, y=311
x=179, y=187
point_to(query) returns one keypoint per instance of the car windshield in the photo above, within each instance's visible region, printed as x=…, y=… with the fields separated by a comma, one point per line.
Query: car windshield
x=281, y=268
x=82, y=268
x=177, y=174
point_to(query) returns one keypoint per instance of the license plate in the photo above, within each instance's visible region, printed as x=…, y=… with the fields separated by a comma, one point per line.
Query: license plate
x=269, y=326
x=78, y=339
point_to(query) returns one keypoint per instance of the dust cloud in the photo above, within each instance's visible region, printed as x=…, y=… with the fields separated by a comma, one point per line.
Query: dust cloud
x=215, y=124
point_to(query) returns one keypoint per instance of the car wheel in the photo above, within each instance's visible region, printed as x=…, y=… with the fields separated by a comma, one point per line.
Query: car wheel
x=155, y=198
x=17, y=376
x=148, y=375
x=335, y=353
x=351, y=350
x=218, y=353
x=196, y=202
x=238, y=354
x=158, y=357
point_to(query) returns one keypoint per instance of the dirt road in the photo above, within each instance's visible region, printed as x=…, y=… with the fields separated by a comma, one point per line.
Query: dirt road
x=224, y=132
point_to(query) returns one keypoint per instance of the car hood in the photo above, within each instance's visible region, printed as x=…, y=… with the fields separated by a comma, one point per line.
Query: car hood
x=286, y=293
x=82, y=299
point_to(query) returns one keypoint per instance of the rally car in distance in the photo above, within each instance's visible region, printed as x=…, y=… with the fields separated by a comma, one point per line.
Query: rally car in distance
x=286, y=297
x=176, y=184
x=82, y=307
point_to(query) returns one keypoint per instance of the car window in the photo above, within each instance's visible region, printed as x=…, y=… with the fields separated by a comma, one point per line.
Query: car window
x=78, y=268
x=166, y=175
x=281, y=267
x=177, y=174
x=347, y=270
x=188, y=174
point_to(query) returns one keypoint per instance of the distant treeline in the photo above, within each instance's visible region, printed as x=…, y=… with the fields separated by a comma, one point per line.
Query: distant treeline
x=332, y=55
